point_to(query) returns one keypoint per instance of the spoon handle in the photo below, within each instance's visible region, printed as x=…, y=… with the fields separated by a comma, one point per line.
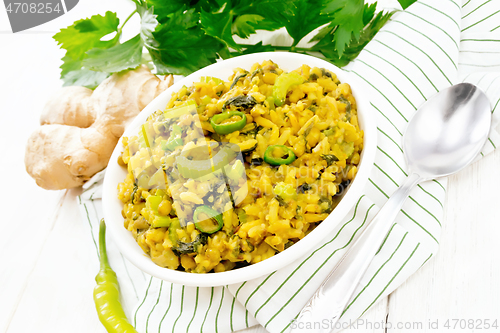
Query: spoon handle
x=328, y=303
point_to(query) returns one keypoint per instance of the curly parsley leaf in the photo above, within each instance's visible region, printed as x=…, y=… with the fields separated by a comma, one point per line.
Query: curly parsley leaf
x=117, y=58
x=348, y=17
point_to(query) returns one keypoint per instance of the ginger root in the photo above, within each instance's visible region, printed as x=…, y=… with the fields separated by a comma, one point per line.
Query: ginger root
x=80, y=127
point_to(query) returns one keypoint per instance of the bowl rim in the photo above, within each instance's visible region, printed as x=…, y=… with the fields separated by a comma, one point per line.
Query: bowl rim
x=288, y=61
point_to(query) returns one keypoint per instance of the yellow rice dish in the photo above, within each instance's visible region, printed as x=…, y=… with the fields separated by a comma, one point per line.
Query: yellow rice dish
x=234, y=172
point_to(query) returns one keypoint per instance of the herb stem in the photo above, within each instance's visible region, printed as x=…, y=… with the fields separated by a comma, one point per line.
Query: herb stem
x=284, y=48
x=126, y=20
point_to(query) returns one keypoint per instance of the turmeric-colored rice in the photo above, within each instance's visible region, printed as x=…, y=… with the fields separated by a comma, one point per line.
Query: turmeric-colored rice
x=273, y=206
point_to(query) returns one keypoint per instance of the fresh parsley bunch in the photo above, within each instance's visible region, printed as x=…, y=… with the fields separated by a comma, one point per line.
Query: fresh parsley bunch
x=182, y=36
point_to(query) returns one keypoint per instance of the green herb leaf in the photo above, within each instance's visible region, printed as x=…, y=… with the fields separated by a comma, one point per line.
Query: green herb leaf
x=163, y=8
x=244, y=17
x=406, y=3
x=218, y=24
x=348, y=17
x=183, y=45
x=274, y=12
x=72, y=74
x=79, y=38
x=84, y=78
x=149, y=23
x=329, y=158
x=117, y=58
x=305, y=16
x=369, y=13
x=353, y=49
x=86, y=34
x=182, y=36
x=244, y=25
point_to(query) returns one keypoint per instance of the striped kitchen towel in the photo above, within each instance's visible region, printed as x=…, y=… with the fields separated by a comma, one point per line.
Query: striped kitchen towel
x=428, y=47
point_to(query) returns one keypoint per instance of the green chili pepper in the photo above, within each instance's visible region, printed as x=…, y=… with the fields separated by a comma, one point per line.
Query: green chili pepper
x=283, y=84
x=107, y=293
x=199, y=168
x=229, y=127
x=175, y=139
x=207, y=220
x=285, y=156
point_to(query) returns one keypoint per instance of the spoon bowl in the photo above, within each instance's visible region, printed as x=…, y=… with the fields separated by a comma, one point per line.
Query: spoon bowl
x=447, y=132
x=444, y=136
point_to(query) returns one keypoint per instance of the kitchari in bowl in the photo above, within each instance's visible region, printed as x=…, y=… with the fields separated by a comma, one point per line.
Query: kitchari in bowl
x=231, y=173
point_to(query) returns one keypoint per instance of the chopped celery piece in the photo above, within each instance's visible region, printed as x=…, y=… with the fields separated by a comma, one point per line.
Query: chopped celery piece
x=156, y=221
x=236, y=171
x=283, y=84
x=270, y=100
x=175, y=224
x=285, y=191
x=175, y=139
x=180, y=110
x=348, y=148
x=207, y=79
x=205, y=100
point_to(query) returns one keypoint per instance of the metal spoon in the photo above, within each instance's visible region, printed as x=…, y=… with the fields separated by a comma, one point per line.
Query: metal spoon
x=444, y=136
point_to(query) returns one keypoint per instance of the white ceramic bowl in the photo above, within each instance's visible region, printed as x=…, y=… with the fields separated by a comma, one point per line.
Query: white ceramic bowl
x=223, y=69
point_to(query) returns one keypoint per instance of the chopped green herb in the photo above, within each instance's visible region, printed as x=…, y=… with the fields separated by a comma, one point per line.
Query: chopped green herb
x=237, y=78
x=281, y=201
x=169, y=29
x=191, y=247
x=329, y=158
